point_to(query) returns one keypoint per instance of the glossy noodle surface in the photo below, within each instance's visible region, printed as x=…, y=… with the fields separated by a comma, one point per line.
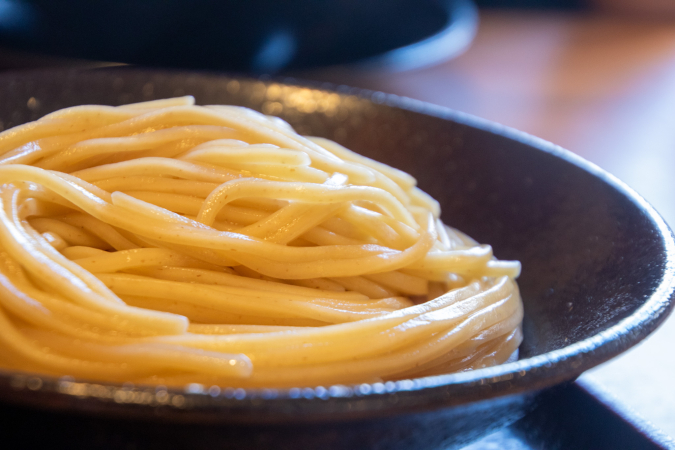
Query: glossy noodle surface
x=168, y=243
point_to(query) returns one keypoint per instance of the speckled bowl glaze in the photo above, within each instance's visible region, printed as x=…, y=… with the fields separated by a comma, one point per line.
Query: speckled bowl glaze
x=597, y=271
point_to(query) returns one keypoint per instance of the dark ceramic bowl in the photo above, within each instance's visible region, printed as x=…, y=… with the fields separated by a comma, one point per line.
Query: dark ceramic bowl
x=597, y=275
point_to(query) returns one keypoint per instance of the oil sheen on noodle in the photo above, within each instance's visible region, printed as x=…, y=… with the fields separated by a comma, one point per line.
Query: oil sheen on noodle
x=164, y=242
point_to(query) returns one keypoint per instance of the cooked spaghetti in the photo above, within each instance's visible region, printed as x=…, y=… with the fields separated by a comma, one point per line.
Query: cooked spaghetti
x=164, y=242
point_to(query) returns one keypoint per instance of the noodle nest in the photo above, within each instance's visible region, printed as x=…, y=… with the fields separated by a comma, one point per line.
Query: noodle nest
x=168, y=243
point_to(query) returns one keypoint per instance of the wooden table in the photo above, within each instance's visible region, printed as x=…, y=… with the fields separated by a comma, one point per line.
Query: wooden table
x=601, y=86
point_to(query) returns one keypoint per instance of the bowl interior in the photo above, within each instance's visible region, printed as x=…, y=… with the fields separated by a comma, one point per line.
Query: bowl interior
x=592, y=252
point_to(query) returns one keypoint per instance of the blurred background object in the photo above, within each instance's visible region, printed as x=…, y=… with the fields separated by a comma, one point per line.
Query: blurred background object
x=641, y=7
x=654, y=8
x=532, y=4
x=256, y=36
x=259, y=36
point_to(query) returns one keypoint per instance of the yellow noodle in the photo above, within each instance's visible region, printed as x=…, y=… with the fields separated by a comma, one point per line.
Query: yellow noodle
x=141, y=257
x=205, y=315
x=164, y=242
x=304, y=192
x=366, y=287
x=99, y=229
x=157, y=184
x=104, y=146
x=232, y=279
x=55, y=240
x=250, y=303
x=201, y=328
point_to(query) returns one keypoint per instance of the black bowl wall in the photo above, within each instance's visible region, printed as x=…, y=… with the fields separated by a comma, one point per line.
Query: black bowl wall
x=597, y=260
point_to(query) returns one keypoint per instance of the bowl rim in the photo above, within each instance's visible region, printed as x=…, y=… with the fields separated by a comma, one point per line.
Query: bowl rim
x=345, y=402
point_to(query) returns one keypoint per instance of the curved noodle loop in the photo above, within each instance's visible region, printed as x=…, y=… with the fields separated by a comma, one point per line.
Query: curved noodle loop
x=164, y=242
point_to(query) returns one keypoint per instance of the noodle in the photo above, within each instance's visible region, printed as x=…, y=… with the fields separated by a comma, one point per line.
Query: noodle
x=163, y=242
